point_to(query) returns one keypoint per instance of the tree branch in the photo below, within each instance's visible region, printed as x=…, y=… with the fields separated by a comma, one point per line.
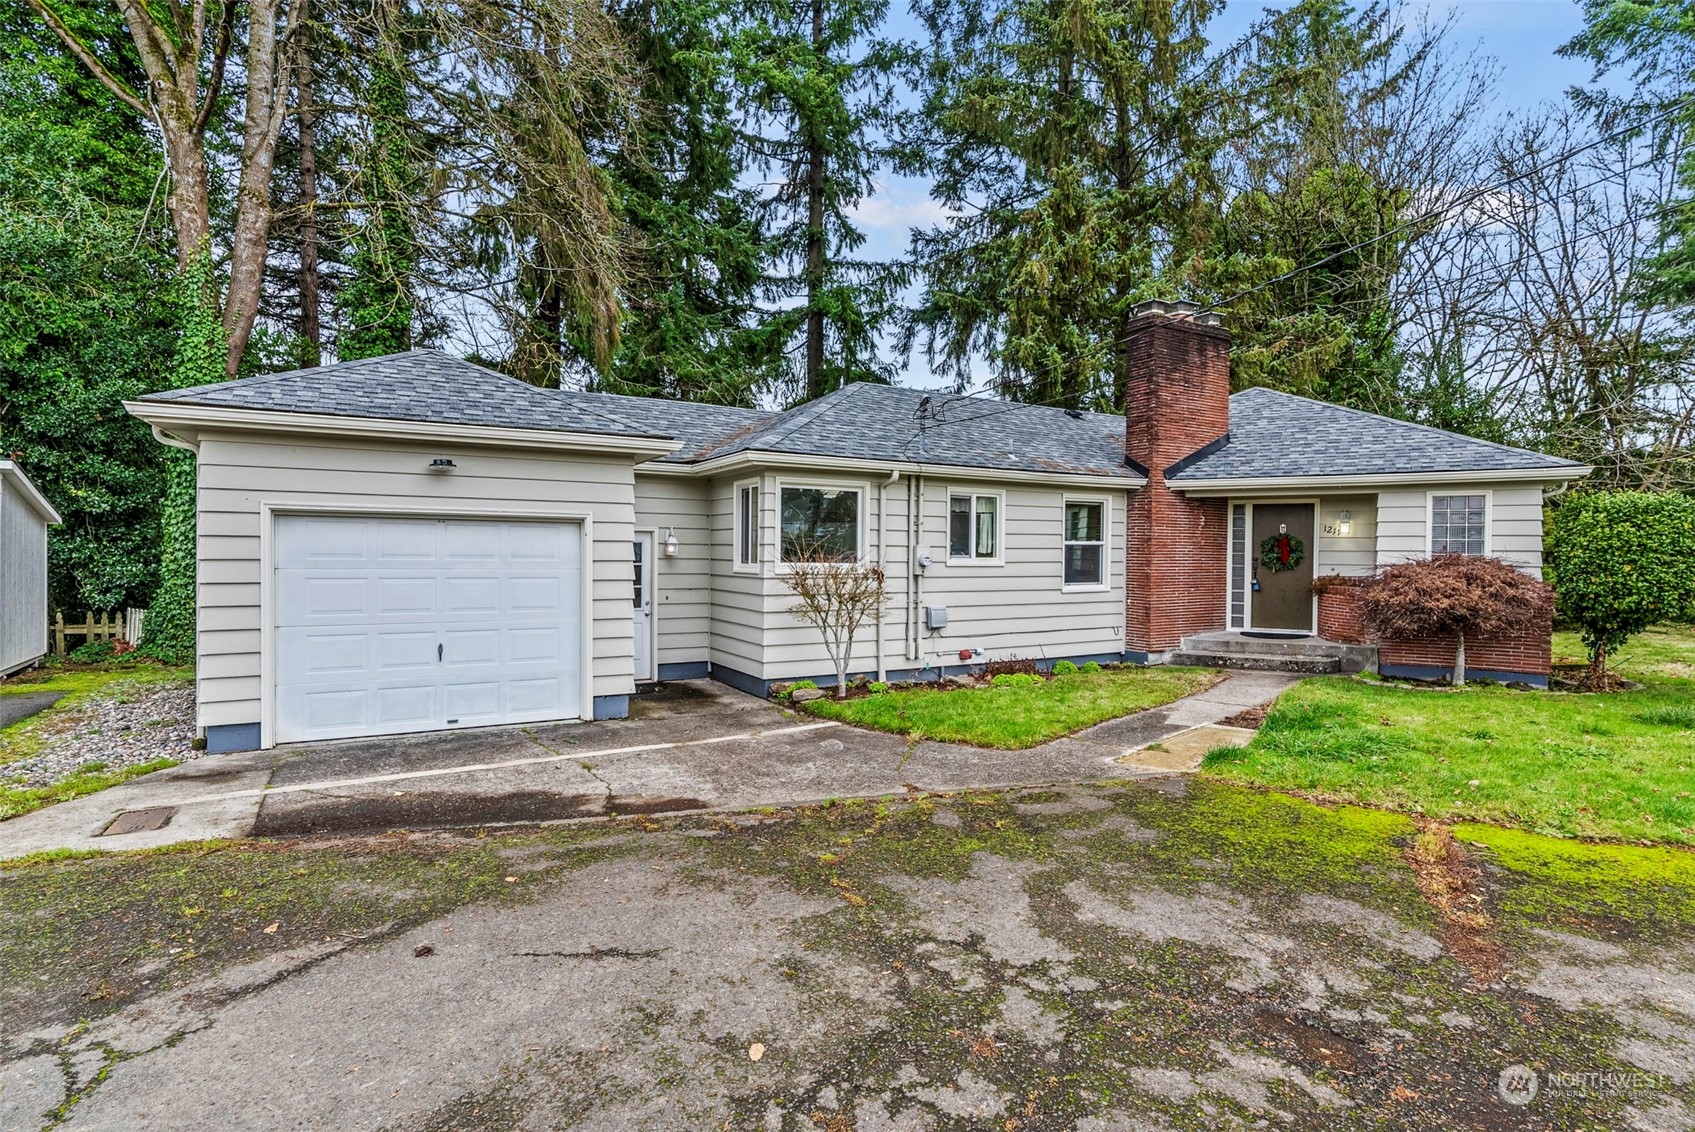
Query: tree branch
x=87, y=58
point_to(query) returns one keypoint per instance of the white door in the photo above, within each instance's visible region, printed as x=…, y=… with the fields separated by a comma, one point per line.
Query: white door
x=641, y=602
x=392, y=625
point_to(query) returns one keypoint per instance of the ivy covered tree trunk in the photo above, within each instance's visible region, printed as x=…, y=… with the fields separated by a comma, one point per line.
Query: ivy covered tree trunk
x=168, y=632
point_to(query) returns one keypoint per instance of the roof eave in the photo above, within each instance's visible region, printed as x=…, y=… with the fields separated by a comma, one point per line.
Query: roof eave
x=747, y=458
x=188, y=422
x=1234, y=484
x=30, y=494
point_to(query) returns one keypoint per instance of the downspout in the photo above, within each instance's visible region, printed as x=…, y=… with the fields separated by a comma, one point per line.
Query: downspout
x=914, y=598
x=883, y=555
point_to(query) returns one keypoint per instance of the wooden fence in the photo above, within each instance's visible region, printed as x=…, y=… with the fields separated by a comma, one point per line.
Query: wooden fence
x=112, y=626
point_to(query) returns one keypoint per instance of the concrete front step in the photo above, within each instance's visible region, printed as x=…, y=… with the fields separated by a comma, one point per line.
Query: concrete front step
x=1264, y=646
x=1261, y=661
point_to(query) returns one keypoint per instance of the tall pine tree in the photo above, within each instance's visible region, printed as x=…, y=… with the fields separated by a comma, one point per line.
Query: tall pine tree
x=1072, y=142
x=818, y=77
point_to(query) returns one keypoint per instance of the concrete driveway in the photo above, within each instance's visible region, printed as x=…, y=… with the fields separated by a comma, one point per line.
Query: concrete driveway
x=1160, y=954
x=694, y=745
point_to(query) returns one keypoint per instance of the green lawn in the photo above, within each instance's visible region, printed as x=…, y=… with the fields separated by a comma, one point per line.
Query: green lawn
x=120, y=680
x=1616, y=766
x=1018, y=717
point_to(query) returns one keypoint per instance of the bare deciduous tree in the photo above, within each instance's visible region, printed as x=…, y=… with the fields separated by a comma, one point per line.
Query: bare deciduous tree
x=836, y=596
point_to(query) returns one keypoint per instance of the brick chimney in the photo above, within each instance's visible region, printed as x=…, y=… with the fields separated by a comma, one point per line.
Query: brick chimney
x=1177, y=401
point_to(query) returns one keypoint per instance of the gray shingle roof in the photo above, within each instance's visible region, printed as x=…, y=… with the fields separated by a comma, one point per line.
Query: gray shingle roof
x=420, y=385
x=1274, y=435
x=879, y=422
x=701, y=428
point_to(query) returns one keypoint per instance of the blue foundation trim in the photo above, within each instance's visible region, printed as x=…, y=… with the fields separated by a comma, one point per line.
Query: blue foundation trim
x=1136, y=657
x=685, y=670
x=611, y=707
x=741, y=681
x=223, y=738
x=1434, y=672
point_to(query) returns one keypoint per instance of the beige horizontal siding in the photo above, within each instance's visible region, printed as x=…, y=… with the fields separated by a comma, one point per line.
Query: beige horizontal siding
x=238, y=472
x=682, y=585
x=1515, y=522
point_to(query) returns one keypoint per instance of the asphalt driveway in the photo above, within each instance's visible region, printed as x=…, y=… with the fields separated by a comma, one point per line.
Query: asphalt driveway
x=1164, y=954
x=694, y=745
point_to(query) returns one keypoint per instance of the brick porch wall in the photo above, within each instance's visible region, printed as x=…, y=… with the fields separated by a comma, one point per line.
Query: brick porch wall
x=1528, y=654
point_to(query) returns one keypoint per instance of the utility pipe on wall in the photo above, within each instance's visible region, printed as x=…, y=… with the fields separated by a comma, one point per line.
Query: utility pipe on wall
x=883, y=557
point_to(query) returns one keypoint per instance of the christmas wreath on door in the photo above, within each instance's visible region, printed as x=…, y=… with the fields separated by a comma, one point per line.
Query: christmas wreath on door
x=1281, y=552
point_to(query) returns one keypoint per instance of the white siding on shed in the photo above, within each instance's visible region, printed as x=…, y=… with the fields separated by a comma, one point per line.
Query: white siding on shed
x=683, y=585
x=239, y=472
x=23, y=573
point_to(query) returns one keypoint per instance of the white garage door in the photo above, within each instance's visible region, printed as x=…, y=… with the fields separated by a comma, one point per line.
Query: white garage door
x=392, y=625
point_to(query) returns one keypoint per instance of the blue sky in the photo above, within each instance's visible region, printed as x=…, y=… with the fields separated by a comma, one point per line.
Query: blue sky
x=1521, y=35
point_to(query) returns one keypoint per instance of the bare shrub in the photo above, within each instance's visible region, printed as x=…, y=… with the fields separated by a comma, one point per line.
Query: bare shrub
x=836, y=596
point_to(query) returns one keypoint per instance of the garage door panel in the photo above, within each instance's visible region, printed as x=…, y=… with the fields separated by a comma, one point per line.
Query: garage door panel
x=406, y=596
x=364, y=604
x=314, y=655
x=321, y=542
x=543, y=594
x=472, y=595
x=462, y=648
x=313, y=599
x=403, y=543
x=535, y=698
x=397, y=650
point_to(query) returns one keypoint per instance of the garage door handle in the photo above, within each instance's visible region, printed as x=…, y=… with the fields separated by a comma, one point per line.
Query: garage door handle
x=439, y=648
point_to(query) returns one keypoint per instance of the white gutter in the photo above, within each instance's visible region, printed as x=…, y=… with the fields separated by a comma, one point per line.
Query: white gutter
x=1409, y=479
x=30, y=494
x=188, y=421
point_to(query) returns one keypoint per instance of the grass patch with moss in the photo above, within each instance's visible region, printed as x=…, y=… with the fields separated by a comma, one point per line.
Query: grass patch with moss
x=85, y=935
x=1618, y=766
x=1019, y=716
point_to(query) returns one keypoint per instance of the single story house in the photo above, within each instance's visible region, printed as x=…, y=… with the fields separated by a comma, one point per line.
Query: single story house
x=25, y=516
x=413, y=542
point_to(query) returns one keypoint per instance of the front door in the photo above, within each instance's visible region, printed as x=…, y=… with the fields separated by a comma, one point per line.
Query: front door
x=641, y=612
x=1280, y=557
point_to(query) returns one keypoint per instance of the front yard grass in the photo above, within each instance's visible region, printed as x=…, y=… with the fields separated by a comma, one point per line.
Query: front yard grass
x=1617, y=766
x=1013, y=718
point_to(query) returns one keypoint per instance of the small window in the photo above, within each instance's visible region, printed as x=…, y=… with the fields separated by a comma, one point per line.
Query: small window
x=1458, y=524
x=747, y=525
x=1085, y=544
x=637, y=593
x=974, y=527
x=820, y=520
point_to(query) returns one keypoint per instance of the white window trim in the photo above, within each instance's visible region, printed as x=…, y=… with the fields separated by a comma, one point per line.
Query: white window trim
x=1105, y=584
x=863, y=490
x=737, y=566
x=999, y=558
x=1488, y=495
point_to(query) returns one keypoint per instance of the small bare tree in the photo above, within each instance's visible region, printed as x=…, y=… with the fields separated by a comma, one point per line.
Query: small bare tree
x=1462, y=594
x=836, y=596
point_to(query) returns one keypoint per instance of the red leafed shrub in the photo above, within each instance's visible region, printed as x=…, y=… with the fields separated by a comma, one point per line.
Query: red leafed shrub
x=1462, y=594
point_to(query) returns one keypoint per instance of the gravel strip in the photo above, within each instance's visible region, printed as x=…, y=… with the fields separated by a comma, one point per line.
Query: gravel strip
x=104, y=729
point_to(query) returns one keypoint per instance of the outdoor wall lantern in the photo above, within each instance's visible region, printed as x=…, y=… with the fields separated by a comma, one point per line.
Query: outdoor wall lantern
x=441, y=464
x=670, y=543
x=1347, y=526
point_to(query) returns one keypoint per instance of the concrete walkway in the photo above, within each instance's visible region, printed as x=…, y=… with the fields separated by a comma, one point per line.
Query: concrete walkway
x=693, y=746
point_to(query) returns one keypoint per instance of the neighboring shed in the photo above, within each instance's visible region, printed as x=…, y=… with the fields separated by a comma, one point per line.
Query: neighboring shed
x=25, y=516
